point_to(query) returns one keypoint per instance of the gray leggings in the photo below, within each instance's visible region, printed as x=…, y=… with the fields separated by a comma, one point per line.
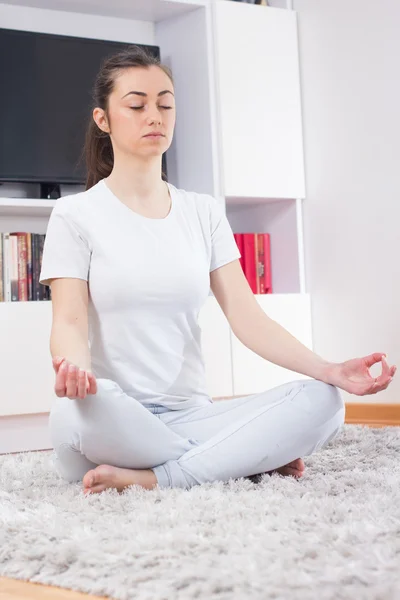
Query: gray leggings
x=186, y=447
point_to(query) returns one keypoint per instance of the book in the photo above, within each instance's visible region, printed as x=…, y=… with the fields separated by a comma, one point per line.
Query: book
x=250, y=260
x=1, y=269
x=264, y=263
x=239, y=242
x=21, y=255
x=255, y=249
x=14, y=267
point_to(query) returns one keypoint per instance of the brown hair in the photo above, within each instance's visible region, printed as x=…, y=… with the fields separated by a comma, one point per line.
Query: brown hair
x=97, y=148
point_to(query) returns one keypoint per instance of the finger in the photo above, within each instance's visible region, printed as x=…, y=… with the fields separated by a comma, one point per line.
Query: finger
x=393, y=371
x=379, y=387
x=81, y=383
x=57, y=360
x=92, y=383
x=372, y=359
x=72, y=382
x=60, y=387
x=382, y=379
x=385, y=366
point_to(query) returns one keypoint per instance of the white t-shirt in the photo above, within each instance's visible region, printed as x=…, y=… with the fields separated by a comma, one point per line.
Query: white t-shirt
x=148, y=279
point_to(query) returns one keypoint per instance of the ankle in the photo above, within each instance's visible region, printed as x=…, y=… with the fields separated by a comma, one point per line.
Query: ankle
x=149, y=480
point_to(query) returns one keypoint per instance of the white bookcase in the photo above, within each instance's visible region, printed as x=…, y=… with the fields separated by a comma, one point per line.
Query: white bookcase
x=238, y=136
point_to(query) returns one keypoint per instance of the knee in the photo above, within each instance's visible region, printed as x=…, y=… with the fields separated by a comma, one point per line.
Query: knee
x=69, y=418
x=327, y=399
x=335, y=406
x=327, y=412
x=330, y=403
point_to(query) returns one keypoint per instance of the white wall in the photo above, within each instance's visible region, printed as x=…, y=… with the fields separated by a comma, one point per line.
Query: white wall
x=350, y=70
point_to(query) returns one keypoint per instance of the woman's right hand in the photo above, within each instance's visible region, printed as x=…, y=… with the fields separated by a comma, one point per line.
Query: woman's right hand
x=71, y=381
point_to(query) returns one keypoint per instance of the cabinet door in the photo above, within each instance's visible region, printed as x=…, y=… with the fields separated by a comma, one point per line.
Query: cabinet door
x=216, y=345
x=259, y=101
x=27, y=376
x=253, y=374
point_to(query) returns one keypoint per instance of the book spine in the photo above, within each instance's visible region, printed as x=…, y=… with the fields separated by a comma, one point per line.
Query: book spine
x=261, y=263
x=33, y=250
x=36, y=267
x=267, y=264
x=42, y=289
x=29, y=264
x=7, y=267
x=249, y=260
x=22, y=268
x=14, y=267
x=1, y=270
x=239, y=242
x=256, y=252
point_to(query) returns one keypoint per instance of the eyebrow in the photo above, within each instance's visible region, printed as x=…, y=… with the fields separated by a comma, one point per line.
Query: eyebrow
x=143, y=94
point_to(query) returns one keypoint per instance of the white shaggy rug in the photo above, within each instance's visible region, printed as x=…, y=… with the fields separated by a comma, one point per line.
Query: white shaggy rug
x=334, y=534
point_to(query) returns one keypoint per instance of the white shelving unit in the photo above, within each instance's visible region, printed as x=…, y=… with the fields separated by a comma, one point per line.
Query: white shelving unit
x=14, y=207
x=238, y=137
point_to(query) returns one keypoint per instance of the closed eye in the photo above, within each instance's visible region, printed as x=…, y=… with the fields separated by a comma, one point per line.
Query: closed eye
x=140, y=107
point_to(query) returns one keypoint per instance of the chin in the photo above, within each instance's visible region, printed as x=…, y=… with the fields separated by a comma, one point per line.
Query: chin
x=157, y=151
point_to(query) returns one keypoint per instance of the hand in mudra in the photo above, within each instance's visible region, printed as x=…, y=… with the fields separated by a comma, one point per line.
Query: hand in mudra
x=354, y=377
x=71, y=381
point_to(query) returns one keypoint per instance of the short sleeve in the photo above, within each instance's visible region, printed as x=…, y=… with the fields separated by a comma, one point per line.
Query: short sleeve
x=66, y=253
x=223, y=244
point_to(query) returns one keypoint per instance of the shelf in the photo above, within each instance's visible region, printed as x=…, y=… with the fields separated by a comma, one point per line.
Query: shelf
x=26, y=207
x=245, y=200
x=141, y=10
x=21, y=302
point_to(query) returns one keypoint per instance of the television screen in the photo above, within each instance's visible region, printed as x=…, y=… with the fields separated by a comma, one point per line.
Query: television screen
x=46, y=103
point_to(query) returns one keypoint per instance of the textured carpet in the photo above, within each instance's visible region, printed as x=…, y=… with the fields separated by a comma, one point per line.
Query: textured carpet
x=335, y=534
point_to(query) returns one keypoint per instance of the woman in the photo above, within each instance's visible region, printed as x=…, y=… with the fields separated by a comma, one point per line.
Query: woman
x=130, y=262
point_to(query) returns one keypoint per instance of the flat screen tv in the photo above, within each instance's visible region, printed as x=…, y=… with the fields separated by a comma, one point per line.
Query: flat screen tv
x=46, y=102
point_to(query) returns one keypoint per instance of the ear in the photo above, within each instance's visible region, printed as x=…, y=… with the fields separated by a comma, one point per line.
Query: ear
x=100, y=119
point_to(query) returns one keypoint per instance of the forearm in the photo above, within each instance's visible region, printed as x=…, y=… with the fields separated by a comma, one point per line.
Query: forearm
x=70, y=341
x=274, y=343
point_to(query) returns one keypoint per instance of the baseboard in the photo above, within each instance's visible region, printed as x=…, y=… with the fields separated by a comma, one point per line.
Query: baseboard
x=24, y=433
x=364, y=413
x=374, y=415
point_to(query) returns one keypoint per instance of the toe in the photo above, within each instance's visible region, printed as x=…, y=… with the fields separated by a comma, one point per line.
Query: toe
x=95, y=489
x=89, y=479
x=294, y=472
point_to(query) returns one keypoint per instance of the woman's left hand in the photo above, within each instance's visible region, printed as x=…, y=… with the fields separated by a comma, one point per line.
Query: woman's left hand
x=354, y=377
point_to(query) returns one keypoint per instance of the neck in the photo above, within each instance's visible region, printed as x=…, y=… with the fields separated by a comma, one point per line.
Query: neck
x=137, y=178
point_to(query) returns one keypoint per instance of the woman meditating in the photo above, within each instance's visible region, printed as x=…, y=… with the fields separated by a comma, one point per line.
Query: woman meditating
x=130, y=262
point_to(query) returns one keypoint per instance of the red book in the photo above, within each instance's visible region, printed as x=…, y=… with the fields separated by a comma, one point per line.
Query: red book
x=250, y=260
x=259, y=242
x=264, y=243
x=239, y=242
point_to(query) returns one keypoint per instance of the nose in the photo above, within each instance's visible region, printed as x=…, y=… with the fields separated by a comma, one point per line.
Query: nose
x=154, y=116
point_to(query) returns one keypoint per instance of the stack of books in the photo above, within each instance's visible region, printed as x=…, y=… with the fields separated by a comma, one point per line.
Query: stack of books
x=20, y=260
x=255, y=249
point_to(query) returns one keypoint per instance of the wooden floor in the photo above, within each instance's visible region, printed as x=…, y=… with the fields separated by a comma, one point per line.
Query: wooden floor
x=374, y=415
x=11, y=589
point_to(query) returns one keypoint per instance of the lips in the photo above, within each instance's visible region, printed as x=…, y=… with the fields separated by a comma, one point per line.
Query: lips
x=154, y=134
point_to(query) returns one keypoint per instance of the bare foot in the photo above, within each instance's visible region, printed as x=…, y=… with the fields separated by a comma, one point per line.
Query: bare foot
x=105, y=476
x=294, y=468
